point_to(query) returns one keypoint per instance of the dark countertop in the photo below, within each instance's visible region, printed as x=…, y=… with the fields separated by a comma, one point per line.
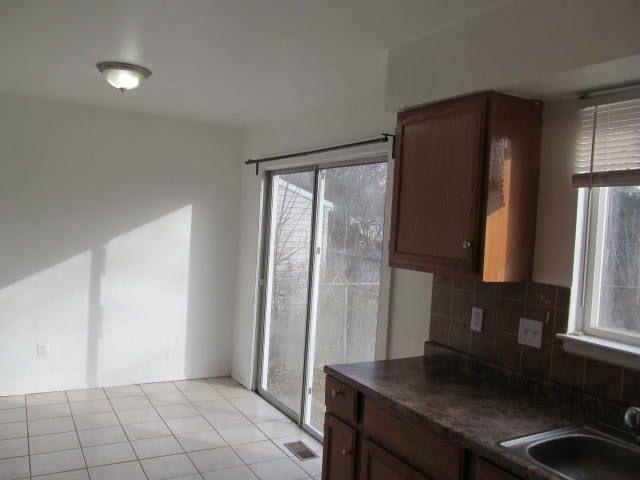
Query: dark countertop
x=464, y=407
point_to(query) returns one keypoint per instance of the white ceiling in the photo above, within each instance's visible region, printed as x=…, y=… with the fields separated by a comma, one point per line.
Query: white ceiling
x=233, y=62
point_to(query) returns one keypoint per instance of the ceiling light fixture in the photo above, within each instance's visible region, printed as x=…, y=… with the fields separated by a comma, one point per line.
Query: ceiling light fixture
x=123, y=76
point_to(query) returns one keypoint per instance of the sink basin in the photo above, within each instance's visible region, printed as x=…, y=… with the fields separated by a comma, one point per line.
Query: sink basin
x=582, y=453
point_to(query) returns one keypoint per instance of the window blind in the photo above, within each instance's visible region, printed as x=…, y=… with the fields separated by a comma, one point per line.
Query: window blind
x=608, y=145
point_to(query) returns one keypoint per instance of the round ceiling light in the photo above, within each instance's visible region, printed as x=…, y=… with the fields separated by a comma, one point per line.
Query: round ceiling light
x=123, y=76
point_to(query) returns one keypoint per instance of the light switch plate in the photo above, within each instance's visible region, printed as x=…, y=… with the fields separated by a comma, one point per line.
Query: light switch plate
x=530, y=333
x=476, y=319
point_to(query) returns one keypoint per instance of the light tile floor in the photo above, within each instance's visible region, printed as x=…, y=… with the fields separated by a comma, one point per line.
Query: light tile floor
x=211, y=429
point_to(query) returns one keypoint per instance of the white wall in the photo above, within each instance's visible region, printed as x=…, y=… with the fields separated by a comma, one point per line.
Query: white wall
x=516, y=44
x=359, y=116
x=557, y=199
x=118, y=241
x=410, y=311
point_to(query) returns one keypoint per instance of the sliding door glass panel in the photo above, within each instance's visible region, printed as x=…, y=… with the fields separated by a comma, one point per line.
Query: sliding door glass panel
x=346, y=281
x=285, y=323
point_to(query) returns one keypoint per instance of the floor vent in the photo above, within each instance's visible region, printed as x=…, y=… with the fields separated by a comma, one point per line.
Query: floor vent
x=300, y=450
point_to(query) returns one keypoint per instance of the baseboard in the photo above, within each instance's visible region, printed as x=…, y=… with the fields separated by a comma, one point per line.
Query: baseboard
x=26, y=389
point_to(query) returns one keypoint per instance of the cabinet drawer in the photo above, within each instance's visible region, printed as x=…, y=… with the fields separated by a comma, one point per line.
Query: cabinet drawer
x=488, y=471
x=416, y=445
x=340, y=400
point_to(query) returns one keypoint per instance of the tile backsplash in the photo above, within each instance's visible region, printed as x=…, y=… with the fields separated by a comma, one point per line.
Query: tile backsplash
x=503, y=305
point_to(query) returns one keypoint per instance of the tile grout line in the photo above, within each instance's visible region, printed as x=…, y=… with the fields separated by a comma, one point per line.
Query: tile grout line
x=84, y=459
x=36, y=436
x=206, y=420
x=126, y=435
x=77, y=434
x=251, y=422
x=129, y=441
x=26, y=423
x=286, y=456
x=186, y=401
x=222, y=397
x=208, y=423
x=169, y=428
x=54, y=451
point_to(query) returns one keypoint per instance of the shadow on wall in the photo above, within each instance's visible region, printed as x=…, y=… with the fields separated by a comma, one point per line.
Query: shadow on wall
x=116, y=311
x=117, y=246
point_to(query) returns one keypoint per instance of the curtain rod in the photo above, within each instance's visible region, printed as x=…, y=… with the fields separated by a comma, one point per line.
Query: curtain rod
x=610, y=91
x=384, y=137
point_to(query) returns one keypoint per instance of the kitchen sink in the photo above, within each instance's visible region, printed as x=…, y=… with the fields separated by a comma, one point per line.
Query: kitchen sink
x=596, y=452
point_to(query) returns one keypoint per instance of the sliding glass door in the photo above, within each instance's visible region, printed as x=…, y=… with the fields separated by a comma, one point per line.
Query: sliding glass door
x=322, y=280
x=287, y=288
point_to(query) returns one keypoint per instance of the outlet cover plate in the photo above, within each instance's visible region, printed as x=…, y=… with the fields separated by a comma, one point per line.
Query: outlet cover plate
x=476, y=319
x=530, y=333
x=43, y=350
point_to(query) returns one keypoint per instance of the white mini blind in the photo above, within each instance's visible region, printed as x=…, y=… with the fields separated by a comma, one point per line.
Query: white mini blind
x=608, y=146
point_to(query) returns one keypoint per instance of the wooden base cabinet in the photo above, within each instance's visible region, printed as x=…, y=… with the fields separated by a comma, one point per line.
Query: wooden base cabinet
x=465, y=187
x=366, y=440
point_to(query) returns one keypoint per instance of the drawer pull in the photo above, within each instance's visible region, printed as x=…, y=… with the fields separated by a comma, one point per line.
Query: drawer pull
x=345, y=452
x=336, y=393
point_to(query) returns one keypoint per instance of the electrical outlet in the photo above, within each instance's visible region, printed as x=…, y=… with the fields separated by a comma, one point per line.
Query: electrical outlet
x=476, y=319
x=530, y=333
x=43, y=350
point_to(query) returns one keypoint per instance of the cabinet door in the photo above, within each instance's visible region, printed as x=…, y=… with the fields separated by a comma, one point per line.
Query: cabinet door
x=421, y=448
x=488, y=471
x=338, y=462
x=378, y=464
x=437, y=191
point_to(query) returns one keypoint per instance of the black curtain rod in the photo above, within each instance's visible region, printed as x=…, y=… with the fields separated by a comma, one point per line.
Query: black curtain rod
x=384, y=137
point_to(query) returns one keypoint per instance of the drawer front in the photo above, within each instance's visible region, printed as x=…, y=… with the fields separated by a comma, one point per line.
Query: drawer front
x=419, y=447
x=340, y=400
x=488, y=471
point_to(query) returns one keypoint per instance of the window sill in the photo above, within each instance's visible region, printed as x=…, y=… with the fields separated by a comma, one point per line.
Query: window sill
x=608, y=351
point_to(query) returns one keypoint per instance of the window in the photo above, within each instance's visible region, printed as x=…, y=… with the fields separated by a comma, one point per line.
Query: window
x=606, y=302
x=612, y=288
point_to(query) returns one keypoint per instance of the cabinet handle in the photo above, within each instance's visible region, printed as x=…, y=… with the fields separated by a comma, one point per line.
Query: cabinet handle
x=345, y=452
x=466, y=244
x=335, y=393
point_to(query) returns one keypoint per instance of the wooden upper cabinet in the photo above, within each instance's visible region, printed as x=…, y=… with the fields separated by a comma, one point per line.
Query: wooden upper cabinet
x=465, y=187
x=437, y=186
